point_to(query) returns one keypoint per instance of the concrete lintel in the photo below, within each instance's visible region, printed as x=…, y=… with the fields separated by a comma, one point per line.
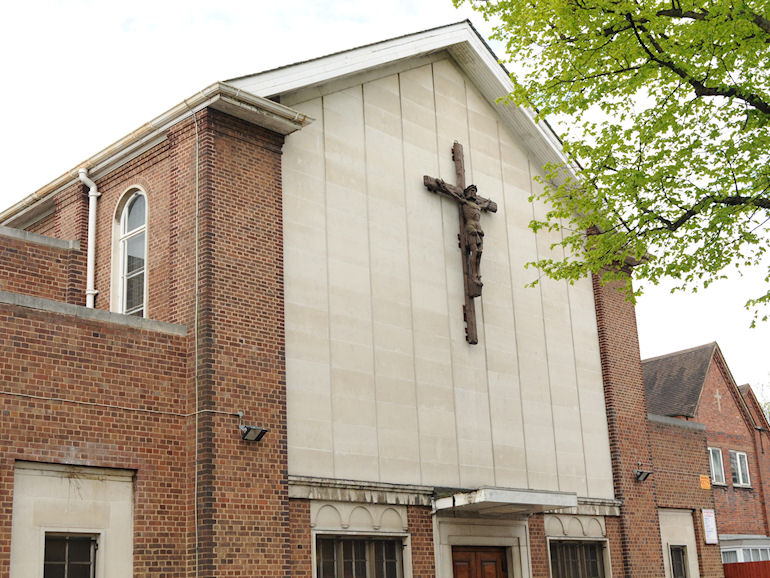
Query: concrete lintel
x=86, y=313
x=28, y=237
x=312, y=488
x=666, y=420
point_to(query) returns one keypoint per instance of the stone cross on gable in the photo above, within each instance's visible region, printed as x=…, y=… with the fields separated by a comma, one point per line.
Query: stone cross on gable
x=718, y=397
x=471, y=235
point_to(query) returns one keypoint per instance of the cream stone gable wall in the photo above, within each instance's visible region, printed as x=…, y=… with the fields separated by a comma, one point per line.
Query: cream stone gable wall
x=382, y=385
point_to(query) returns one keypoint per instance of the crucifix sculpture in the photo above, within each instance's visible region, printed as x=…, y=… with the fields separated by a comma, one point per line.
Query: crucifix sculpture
x=471, y=235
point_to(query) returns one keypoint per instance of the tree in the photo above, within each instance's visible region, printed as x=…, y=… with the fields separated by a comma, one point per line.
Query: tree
x=667, y=109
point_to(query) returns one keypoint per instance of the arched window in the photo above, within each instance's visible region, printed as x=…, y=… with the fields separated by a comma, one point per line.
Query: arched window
x=132, y=285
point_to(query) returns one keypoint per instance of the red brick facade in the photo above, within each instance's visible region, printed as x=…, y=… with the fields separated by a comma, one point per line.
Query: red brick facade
x=729, y=426
x=629, y=435
x=38, y=269
x=107, y=420
x=242, y=488
x=106, y=394
x=680, y=460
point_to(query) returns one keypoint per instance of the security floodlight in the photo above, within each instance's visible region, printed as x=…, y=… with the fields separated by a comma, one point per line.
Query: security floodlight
x=641, y=475
x=252, y=433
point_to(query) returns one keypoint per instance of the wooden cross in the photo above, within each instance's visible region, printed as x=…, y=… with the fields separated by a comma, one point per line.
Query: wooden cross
x=471, y=235
x=718, y=397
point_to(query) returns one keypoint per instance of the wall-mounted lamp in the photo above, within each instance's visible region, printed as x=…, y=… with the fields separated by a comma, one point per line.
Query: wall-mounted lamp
x=250, y=433
x=641, y=474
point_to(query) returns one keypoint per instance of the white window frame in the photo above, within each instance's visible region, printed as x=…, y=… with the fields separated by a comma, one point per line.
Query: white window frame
x=720, y=478
x=736, y=457
x=120, y=239
x=93, y=540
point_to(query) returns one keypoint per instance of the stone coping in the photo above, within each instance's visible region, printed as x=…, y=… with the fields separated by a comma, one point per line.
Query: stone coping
x=86, y=313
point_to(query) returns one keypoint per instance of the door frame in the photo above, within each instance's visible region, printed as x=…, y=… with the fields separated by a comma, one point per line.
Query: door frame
x=513, y=535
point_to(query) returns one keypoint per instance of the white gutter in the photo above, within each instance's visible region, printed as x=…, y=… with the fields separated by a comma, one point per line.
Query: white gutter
x=93, y=194
x=229, y=99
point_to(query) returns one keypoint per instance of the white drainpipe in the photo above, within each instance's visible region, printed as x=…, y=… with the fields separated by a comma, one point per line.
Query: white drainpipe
x=93, y=194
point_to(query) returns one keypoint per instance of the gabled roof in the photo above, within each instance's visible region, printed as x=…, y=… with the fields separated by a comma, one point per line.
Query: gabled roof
x=673, y=382
x=461, y=41
x=256, y=98
x=757, y=412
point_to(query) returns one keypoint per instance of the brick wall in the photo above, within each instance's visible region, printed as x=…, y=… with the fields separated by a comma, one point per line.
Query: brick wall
x=420, y=523
x=680, y=458
x=243, y=488
x=629, y=437
x=126, y=392
x=41, y=270
x=242, y=498
x=538, y=548
x=301, y=547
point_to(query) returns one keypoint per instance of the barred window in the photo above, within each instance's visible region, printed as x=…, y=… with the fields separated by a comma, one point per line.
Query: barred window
x=356, y=557
x=577, y=559
x=69, y=556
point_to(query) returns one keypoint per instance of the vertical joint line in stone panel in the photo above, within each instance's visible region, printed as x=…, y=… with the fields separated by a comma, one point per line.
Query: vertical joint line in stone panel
x=545, y=337
x=481, y=325
x=371, y=292
x=328, y=286
x=446, y=283
x=411, y=280
x=577, y=381
x=505, y=213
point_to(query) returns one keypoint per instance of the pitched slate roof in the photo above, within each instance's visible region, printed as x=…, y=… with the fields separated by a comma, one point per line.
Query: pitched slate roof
x=674, y=381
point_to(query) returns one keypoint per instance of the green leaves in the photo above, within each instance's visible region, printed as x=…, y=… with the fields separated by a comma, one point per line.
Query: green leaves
x=666, y=106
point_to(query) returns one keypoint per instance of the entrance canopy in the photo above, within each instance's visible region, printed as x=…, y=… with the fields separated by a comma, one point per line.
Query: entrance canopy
x=495, y=502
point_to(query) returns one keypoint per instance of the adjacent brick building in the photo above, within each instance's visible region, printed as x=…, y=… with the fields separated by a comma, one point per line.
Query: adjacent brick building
x=274, y=379
x=695, y=386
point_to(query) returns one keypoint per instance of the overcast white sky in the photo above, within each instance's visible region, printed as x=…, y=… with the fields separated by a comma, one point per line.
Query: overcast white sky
x=77, y=75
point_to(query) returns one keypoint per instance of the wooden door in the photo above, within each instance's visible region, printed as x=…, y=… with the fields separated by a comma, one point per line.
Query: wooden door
x=478, y=562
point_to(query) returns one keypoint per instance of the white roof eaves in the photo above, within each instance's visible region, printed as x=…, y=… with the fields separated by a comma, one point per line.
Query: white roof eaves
x=460, y=40
x=220, y=95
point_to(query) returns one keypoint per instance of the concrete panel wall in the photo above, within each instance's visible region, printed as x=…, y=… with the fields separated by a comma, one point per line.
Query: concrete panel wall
x=382, y=385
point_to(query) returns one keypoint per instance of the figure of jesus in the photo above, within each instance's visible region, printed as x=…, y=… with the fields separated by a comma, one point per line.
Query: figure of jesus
x=471, y=206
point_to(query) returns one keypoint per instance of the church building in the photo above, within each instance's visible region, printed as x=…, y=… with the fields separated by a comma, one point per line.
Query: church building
x=286, y=329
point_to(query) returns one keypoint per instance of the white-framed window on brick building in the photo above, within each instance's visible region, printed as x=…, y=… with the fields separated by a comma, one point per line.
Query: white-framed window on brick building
x=739, y=464
x=69, y=556
x=129, y=283
x=358, y=557
x=717, y=467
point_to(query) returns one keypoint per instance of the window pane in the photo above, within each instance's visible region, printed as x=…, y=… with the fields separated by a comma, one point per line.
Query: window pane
x=729, y=556
x=744, y=464
x=746, y=555
x=136, y=212
x=79, y=571
x=55, y=549
x=53, y=571
x=734, y=467
x=134, y=292
x=80, y=550
x=135, y=253
x=763, y=554
x=717, y=470
x=678, y=562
